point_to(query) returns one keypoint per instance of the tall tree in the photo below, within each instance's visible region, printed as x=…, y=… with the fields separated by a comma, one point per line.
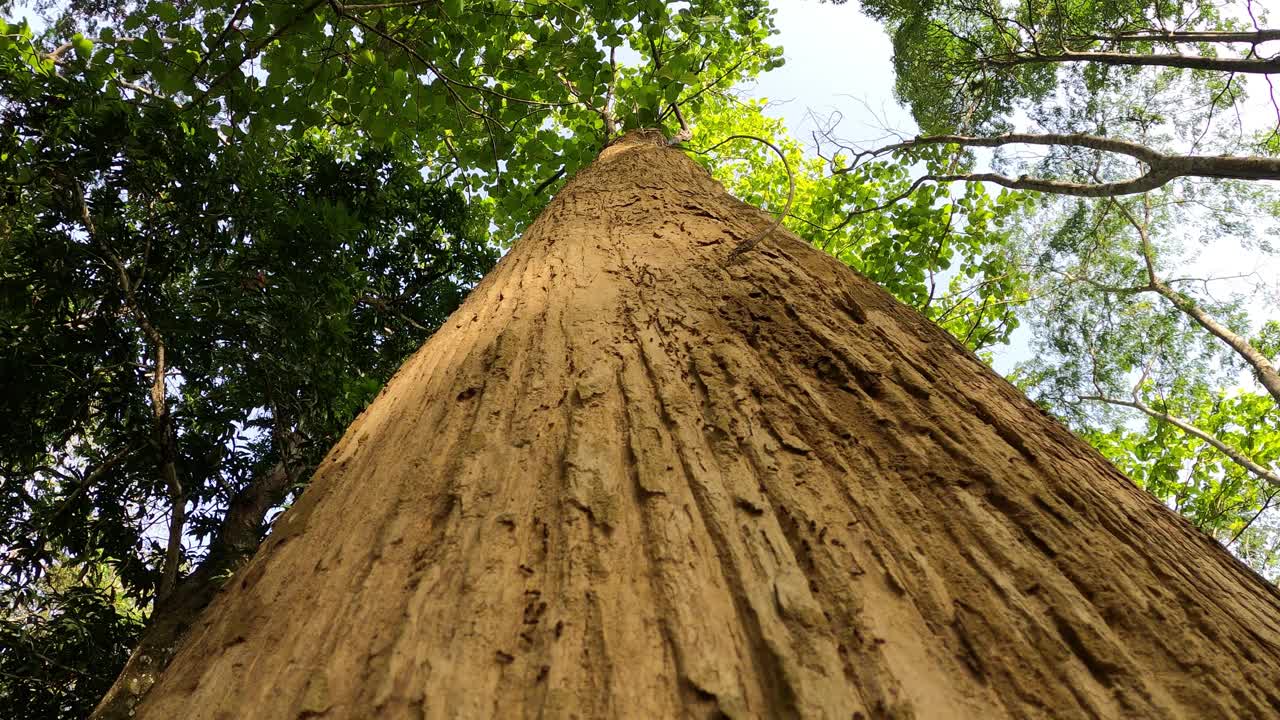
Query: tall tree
x=499, y=102
x=634, y=475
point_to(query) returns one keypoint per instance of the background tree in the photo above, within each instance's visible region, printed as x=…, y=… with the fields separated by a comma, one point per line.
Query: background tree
x=1115, y=333
x=1134, y=343
x=968, y=68
x=185, y=332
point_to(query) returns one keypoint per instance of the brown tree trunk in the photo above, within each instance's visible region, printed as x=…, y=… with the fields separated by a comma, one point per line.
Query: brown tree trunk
x=629, y=480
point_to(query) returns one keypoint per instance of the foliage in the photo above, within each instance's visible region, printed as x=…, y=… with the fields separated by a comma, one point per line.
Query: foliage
x=969, y=64
x=1107, y=344
x=1216, y=494
x=59, y=641
x=501, y=94
x=285, y=295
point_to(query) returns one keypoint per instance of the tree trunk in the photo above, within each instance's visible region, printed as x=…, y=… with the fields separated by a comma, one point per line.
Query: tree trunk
x=627, y=479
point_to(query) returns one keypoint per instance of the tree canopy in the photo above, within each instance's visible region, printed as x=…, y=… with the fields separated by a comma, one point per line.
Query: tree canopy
x=179, y=320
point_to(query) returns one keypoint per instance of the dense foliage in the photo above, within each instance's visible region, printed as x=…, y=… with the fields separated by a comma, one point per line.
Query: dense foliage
x=282, y=296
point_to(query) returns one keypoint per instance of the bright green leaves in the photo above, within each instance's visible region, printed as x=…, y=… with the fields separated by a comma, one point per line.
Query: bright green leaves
x=1199, y=481
x=452, y=84
x=18, y=42
x=82, y=45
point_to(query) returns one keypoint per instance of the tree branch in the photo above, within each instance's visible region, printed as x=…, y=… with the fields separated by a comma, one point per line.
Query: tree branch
x=1253, y=37
x=164, y=436
x=1162, y=167
x=1262, y=66
x=1266, y=372
x=1236, y=456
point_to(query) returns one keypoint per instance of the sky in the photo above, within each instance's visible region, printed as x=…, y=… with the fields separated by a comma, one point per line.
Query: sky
x=839, y=65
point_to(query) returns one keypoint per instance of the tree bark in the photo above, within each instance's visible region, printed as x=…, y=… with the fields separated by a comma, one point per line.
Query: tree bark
x=630, y=479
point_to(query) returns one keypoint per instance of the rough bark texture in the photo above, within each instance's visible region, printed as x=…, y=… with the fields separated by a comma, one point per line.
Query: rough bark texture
x=627, y=480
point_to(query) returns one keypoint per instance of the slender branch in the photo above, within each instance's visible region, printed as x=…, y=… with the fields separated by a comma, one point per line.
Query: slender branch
x=169, y=472
x=1260, y=66
x=607, y=115
x=362, y=7
x=91, y=479
x=59, y=51
x=164, y=436
x=216, y=45
x=1256, y=515
x=1262, y=366
x=383, y=306
x=1092, y=142
x=675, y=107
x=547, y=183
x=1236, y=456
x=686, y=132
x=1253, y=37
x=1162, y=167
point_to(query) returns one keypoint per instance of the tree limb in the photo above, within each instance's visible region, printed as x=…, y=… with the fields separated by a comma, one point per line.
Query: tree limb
x=1253, y=37
x=1261, y=66
x=1262, y=367
x=1162, y=167
x=1236, y=456
x=164, y=436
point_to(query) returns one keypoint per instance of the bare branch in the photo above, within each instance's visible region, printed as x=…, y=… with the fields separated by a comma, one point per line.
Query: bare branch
x=1258, y=66
x=1162, y=167
x=1262, y=366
